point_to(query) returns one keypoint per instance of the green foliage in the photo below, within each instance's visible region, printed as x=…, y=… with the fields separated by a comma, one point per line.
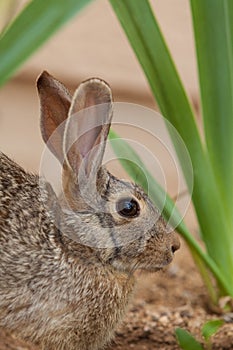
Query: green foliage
x=213, y=28
x=210, y=328
x=188, y=342
x=212, y=160
x=35, y=24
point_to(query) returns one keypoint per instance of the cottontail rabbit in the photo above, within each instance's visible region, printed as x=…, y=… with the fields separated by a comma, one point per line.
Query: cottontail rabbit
x=55, y=291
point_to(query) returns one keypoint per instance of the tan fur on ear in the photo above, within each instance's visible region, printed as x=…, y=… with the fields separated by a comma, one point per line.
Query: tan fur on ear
x=88, y=125
x=55, y=101
x=91, y=92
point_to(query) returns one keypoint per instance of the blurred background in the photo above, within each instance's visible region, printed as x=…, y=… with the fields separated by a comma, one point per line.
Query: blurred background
x=92, y=44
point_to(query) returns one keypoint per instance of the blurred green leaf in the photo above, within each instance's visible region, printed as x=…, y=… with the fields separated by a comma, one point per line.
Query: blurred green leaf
x=7, y=11
x=210, y=328
x=213, y=28
x=33, y=26
x=187, y=341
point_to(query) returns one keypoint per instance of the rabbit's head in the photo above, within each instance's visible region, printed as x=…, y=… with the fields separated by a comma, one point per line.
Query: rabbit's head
x=115, y=217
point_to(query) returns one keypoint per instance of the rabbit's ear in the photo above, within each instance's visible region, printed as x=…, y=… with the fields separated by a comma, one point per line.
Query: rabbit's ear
x=55, y=101
x=88, y=126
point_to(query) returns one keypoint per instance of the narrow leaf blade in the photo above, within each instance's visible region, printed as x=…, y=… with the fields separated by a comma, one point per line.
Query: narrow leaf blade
x=210, y=328
x=187, y=341
x=33, y=26
x=213, y=28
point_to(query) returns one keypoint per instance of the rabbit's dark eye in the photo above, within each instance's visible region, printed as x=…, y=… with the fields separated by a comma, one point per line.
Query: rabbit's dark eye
x=128, y=207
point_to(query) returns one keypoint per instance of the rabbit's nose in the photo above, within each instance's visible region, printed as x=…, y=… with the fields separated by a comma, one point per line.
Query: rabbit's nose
x=175, y=244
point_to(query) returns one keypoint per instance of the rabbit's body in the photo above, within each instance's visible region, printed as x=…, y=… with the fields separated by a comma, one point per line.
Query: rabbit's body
x=52, y=290
x=67, y=262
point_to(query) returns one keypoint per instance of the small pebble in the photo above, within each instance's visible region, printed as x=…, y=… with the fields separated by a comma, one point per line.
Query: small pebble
x=228, y=317
x=164, y=320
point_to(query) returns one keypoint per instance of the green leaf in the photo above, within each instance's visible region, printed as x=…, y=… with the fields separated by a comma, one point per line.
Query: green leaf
x=7, y=10
x=187, y=341
x=145, y=37
x=148, y=43
x=33, y=26
x=210, y=328
x=213, y=28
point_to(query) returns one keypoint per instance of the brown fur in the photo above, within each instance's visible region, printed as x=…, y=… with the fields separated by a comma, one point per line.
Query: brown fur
x=57, y=290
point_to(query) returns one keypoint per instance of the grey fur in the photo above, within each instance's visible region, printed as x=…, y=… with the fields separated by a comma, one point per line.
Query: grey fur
x=57, y=292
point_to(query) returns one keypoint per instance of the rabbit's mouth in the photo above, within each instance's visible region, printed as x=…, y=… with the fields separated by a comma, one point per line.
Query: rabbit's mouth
x=155, y=266
x=146, y=270
x=151, y=269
